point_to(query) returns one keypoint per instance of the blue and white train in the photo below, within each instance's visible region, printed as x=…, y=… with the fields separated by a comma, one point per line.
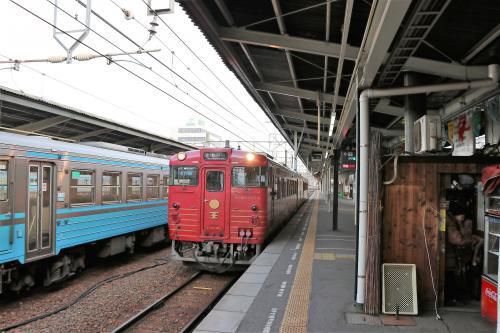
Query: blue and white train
x=59, y=200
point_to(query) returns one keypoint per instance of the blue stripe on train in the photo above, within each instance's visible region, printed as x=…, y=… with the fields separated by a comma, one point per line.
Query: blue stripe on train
x=94, y=160
x=80, y=209
x=89, y=228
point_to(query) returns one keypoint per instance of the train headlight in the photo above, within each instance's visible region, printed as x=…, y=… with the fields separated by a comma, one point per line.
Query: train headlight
x=181, y=156
x=248, y=233
x=242, y=233
x=250, y=156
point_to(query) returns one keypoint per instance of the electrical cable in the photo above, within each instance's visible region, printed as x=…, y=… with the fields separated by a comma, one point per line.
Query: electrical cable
x=438, y=317
x=152, y=56
x=85, y=92
x=126, y=69
x=201, y=61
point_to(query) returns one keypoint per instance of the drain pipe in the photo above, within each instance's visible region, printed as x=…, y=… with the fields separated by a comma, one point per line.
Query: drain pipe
x=364, y=133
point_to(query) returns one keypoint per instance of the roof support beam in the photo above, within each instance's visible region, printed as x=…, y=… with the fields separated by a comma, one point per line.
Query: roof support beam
x=296, y=92
x=91, y=134
x=42, y=124
x=386, y=19
x=446, y=69
x=306, y=130
x=384, y=107
x=299, y=115
x=484, y=42
x=276, y=41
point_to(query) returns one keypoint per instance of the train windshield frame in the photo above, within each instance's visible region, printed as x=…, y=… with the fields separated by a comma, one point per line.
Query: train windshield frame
x=184, y=175
x=246, y=176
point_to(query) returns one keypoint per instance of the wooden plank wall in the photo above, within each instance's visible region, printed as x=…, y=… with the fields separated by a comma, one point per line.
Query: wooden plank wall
x=404, y=203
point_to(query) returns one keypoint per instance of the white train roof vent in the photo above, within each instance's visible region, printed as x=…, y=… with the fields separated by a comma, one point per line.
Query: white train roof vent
x=399, y=289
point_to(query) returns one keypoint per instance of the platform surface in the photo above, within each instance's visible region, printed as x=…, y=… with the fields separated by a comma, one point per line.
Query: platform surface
x=304, y=282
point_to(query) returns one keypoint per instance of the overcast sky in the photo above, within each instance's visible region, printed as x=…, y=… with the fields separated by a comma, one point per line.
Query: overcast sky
x=111, y=92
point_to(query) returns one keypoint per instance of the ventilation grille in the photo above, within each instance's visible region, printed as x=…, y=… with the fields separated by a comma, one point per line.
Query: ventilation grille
x=399, y=289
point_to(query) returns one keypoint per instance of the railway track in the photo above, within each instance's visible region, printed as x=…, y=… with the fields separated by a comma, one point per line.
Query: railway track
x=173, y=300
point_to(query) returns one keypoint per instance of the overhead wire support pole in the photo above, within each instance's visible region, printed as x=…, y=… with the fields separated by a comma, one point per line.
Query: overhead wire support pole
x=84, y=32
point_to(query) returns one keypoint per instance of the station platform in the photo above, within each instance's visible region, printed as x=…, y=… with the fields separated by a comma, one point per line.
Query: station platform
x=304, y=282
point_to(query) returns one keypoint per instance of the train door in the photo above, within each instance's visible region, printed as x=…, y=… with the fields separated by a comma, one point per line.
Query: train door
x=40, y=210
x=214, y=198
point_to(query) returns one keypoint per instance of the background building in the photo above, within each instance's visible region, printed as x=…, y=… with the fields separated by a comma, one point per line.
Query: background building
x=197, y=135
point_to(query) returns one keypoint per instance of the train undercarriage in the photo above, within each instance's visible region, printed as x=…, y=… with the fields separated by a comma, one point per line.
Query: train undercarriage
x=215, y=255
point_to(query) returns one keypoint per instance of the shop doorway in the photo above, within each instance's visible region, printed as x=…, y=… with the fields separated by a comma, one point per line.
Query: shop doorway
x=462, y=203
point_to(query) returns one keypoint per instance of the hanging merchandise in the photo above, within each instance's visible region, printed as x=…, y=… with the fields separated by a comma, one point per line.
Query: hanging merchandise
x=463, y=136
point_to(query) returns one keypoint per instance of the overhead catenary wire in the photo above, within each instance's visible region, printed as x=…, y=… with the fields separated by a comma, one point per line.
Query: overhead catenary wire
x=100, y=17
x=83, y=92
x=128, y=70
x=150, y=69
x=201, y=61
x=137, y=60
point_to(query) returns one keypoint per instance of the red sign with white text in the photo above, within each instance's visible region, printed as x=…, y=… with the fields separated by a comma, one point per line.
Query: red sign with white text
x=489, y=298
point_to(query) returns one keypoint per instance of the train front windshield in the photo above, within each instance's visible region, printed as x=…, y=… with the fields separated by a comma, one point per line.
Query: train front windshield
x=184, y=175
x=249, y=176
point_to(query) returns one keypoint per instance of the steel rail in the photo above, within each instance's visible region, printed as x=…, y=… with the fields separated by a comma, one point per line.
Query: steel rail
x=155, y=305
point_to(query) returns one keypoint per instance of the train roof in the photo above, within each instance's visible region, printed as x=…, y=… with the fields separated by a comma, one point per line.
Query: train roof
x=234, y=155
x=44, y=143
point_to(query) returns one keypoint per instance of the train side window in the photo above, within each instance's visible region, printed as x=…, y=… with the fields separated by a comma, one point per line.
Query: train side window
x=153, y=187
x=4, y=181
x=111, y=186
x=82, y=184
x=134, y=187
x=165, y=186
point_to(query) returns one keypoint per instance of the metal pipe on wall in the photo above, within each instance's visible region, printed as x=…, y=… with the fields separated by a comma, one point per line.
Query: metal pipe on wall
x=364, y=133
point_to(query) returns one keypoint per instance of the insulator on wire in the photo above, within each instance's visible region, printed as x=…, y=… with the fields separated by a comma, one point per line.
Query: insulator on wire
x=128, y=14
x=84, y=57
x=154, y=25
x=56, y=59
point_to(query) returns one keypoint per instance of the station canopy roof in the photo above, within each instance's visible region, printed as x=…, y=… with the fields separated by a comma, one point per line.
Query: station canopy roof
x=26, y=114
x=298, y=56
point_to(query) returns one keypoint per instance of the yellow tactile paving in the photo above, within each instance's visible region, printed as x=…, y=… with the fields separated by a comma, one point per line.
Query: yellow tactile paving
x=297, y=309
x=332, y=256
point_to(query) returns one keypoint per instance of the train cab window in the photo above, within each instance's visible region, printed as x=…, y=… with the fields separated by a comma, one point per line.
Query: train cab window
x=82, y=184
x=184, y=175
x=249, y=176
x=153, y=187
x=215, y=181
x=134, y=187
x=4, y=181
x=111, y=187
x=165, y=186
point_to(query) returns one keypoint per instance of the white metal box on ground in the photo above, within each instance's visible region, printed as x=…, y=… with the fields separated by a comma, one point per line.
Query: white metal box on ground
x=427, y=134
x=399, y=289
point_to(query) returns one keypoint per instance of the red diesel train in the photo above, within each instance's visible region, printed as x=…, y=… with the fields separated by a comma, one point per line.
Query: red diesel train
x=224, y=204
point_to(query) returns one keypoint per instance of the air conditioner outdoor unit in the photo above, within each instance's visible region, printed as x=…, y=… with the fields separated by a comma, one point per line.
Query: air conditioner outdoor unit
x=427, y=134
x=399, y=289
